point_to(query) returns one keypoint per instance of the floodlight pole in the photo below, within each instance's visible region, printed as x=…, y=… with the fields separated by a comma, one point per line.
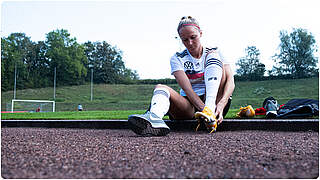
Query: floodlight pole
x=15, y=81
x=91, y=83
x=54, y=83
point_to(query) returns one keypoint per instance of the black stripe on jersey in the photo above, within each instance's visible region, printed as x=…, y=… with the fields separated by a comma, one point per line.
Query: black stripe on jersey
x=214, y=61
x=210, y=49
x=182, y=54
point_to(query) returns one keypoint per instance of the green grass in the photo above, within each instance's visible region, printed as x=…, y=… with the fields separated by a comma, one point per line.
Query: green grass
x=254, y=92
x=105, y=97
x=93, y=115
x=118, y=101
x=71, y=115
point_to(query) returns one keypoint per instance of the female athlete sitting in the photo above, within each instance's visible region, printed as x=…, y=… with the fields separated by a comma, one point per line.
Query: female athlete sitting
x=206, y=82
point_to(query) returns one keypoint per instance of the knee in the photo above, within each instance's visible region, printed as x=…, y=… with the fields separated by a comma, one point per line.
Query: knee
x=164, y=88
x=161, y=86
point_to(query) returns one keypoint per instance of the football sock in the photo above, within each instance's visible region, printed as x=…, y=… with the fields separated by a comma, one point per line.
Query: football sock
x=212, y=75
x=160, y=102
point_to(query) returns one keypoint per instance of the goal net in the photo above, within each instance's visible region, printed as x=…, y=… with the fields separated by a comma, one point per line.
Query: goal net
x=32, y=105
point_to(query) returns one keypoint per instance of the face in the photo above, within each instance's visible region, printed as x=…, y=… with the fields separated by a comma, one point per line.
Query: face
x=190, y=37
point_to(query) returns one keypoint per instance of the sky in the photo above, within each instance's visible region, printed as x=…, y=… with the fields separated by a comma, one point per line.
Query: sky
x=145, y=30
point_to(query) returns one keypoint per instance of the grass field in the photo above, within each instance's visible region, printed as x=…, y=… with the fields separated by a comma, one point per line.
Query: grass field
x=118, y=101
x=93, y=115
x=72, y=115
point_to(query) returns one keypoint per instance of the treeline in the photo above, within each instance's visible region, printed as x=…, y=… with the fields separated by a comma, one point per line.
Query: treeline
x=294, y=60
x=59, y=56
x=34, y=64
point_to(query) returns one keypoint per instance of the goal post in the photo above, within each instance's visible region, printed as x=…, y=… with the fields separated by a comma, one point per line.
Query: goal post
x=32, y=105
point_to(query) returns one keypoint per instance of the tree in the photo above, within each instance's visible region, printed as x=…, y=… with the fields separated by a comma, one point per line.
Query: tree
x=15, y=50
x=296, y=56
x=129, y=75
x=6, y=66
x=67, y=56
x=250, y=67
x=38, y=66
x=107, y=63
x=35, y=61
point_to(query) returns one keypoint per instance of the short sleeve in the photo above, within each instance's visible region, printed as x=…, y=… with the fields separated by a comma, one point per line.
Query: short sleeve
x=224, y=58
x=175, y=64
x=213, y=58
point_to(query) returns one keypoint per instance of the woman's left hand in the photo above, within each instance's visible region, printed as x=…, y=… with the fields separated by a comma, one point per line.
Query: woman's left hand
x=219, y=111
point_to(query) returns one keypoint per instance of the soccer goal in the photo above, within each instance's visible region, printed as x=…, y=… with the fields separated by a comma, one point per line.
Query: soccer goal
x=32, y=105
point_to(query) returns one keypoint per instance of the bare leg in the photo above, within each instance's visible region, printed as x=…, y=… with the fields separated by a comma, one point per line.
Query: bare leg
x=180, y=107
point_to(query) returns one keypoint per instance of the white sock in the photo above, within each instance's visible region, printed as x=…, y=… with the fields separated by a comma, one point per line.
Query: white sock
x=212, y=75
x=160, y=102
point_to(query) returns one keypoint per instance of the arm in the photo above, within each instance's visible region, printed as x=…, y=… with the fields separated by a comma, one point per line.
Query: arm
x=185, y=84
x=227, y=90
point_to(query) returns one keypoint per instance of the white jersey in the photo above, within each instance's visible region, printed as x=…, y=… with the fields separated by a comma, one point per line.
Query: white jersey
x=194, y=68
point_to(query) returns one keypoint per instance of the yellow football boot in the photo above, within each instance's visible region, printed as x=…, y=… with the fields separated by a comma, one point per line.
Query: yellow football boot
x=246, y=112
x=208, y=118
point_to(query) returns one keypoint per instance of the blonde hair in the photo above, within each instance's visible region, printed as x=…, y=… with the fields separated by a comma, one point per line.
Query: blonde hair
x=188, y=21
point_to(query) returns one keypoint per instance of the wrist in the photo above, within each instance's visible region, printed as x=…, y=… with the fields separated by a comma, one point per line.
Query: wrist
x=223, y=101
